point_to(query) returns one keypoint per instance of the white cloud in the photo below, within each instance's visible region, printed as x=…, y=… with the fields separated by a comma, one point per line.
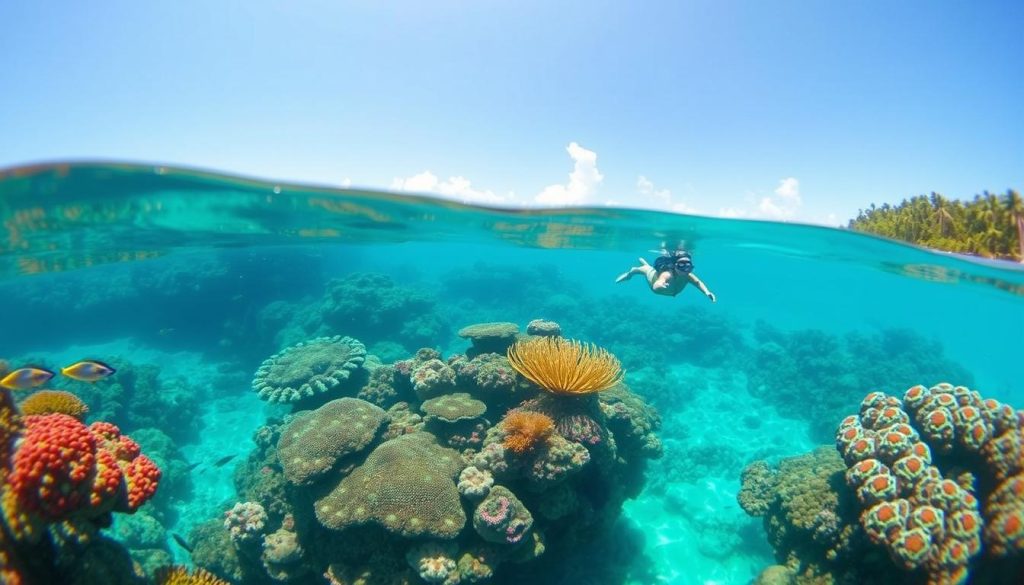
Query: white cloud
x=346, y=182
x=652, y=197
x=785, y=203
x=731, y=212
x=789, y=189
x=459, y=188
x=583, y=180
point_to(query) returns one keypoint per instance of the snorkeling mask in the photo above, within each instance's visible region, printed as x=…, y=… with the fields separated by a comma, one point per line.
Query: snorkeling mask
x=684, y=263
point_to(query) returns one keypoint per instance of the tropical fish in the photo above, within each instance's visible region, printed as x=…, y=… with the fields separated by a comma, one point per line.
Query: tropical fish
x=223, y=460
x=181, y=541
x=87, y=371
x=25, y=378
x=192, y=466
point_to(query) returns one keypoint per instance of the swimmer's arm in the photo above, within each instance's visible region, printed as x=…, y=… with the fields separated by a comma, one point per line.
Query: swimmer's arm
x=703, y=287
x=662, y=281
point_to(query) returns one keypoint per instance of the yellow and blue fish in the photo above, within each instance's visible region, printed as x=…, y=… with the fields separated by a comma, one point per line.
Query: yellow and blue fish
x=87, y=371
x=25, y=378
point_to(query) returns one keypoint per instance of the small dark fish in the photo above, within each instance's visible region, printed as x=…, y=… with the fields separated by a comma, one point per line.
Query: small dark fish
x=192, y=466
x=223, y=460
x=181, y=541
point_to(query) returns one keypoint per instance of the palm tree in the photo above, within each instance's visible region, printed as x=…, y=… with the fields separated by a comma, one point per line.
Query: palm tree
x=1015, y=209
x=942, y=215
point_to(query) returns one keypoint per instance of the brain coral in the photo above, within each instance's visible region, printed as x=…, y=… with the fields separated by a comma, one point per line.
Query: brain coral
x=48, y=401
x=314, y=441
x=318, y=365
x=405, y=485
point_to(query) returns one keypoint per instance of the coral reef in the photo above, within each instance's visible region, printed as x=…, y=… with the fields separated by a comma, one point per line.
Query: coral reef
x=790, y=370
x=433, y=491
x=60, y=482
x=563, y=366
x=138, y=396
x=382, y=388
x=543, y=328
x=314, y=442
x=320, y=365
x=390, y=486
x=488, y=376
x=501, y=517
x=432, y=378
x=245, y=521
x=63, y=471
x=475, y=483
x=182, y=576
x=493, y=337
x=926, y=480
x=456, y=420
x=51, y=401
x=282, y=555
x=525, y=430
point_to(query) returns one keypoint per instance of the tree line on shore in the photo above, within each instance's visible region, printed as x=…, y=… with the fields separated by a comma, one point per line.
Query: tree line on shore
x=990, y=225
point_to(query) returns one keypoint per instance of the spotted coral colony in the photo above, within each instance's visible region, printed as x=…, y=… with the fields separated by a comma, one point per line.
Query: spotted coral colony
x=921, y=517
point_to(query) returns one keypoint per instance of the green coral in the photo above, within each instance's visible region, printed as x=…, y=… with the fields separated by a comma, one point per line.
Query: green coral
x=314, y=441
x=405, y=485
x=631, y=420
x=381, y=388
x=810, y=518
x=302, y=370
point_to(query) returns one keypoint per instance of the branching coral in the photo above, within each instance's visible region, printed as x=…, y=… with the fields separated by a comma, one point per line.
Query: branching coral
x=563, y=366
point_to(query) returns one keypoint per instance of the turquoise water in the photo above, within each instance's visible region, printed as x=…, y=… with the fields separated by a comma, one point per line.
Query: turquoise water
x=186, y=281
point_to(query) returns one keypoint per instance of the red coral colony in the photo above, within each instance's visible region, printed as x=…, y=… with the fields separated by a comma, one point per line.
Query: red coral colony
x=62, y=480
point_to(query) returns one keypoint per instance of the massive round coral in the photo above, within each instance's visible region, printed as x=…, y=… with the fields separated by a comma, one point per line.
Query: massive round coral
x=304, y=369
x=407, y=485
x=314, y=441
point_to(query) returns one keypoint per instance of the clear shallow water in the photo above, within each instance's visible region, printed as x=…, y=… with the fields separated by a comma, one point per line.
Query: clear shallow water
x=180, y=271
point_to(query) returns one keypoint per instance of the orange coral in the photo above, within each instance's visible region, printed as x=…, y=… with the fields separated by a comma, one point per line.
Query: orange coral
x=50, y=401
x=563, y=366
x=524, y=430
x=178, y=575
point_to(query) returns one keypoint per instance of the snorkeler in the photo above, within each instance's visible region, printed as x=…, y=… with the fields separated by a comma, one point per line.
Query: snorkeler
x=671, y=272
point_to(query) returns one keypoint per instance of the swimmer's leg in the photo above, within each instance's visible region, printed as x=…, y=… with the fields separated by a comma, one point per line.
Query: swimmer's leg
x=642, y=269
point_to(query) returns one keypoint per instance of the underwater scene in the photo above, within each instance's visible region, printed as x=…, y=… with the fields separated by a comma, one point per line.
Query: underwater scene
x=208, y=379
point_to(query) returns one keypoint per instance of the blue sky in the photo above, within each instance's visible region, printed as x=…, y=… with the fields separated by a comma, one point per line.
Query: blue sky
x=802, y=111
